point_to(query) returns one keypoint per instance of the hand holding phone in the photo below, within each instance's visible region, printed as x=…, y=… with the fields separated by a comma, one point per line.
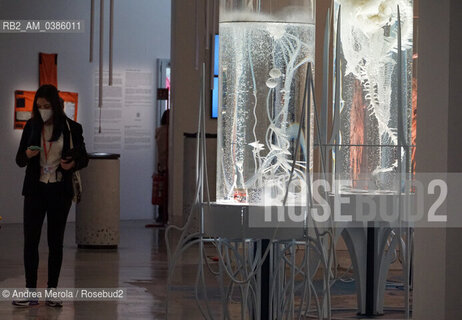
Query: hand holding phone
x=33, y=151
x=66, y=160
x=67, y=163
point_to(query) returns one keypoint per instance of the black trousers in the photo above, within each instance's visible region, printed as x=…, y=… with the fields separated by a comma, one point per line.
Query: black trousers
x=51, y=201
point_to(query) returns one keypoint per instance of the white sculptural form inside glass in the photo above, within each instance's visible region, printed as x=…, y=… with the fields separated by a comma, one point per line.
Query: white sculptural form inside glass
x=264, y=54
x=367, y=159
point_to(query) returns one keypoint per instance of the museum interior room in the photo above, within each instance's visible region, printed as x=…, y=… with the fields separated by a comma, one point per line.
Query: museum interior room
x=230, y=159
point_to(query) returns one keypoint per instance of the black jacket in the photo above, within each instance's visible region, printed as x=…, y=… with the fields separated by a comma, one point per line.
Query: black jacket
x=31, y=136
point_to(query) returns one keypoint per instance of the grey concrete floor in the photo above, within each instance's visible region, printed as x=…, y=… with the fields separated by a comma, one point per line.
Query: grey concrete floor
x=139, y=265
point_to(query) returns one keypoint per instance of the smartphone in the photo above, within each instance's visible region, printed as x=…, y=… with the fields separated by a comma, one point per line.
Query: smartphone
x=69, y=154
x=33, y=148
x=67, y=160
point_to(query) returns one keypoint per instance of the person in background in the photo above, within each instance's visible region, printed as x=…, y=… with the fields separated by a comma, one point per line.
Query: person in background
x=45, y=152
x=162, y=165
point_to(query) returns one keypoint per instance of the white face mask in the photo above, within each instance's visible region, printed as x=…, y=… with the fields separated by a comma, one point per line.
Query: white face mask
x=46, y=114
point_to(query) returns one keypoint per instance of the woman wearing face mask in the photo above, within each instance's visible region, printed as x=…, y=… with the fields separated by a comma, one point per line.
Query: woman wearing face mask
x=45, y=150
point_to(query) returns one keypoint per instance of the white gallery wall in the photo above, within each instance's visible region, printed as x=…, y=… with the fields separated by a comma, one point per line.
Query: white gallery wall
x=142, y=35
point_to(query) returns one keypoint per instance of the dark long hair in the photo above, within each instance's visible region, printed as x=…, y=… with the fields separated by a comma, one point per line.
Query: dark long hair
x=50, y=93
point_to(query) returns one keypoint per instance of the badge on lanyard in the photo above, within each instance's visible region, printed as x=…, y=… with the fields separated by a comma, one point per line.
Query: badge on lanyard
x=46, y=169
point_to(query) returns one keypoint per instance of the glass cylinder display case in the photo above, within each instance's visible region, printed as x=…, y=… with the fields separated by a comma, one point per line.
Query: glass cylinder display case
x=374, y=94
x=265, y=48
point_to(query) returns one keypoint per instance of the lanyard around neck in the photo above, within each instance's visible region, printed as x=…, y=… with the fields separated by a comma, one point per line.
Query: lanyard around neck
x=45, y=145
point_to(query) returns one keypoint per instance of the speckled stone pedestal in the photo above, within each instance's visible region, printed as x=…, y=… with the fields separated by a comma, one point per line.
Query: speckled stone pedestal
x=98, y=213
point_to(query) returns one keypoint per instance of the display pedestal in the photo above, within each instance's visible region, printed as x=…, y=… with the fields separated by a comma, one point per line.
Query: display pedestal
x=98, y=214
